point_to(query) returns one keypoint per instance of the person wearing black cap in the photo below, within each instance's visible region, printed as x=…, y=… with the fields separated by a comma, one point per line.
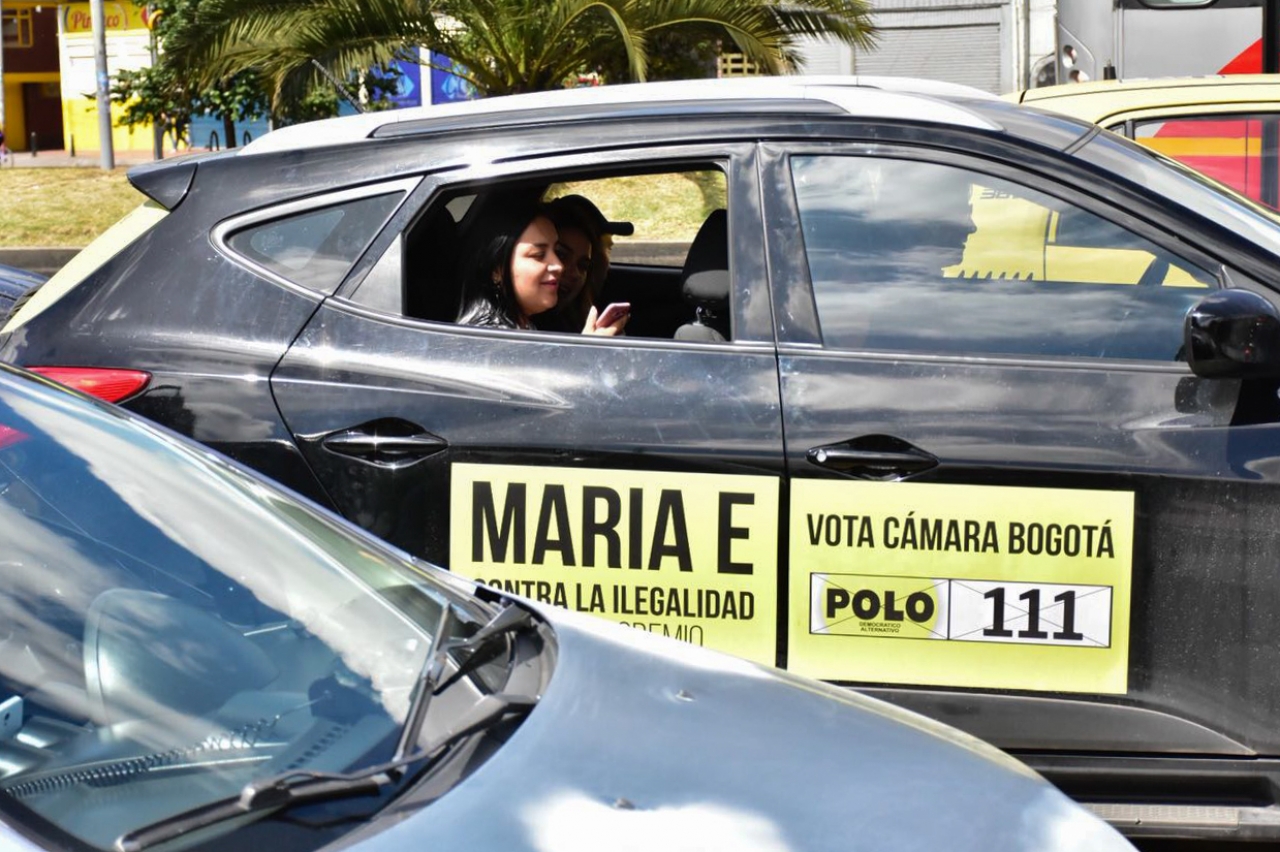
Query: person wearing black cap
x=577, y=246
x=586, y=237
x=605, y=231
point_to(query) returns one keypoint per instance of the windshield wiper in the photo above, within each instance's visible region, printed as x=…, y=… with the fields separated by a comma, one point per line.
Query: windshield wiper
x=510, y=619
x=297, y=787
x=291, y=788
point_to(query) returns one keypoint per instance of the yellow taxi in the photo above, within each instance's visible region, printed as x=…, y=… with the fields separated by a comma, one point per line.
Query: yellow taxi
x=1226, y=127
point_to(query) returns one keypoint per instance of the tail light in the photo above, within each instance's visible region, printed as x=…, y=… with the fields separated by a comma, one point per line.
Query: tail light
x=104, y=383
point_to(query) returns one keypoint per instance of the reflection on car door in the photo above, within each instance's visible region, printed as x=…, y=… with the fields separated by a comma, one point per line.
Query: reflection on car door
x=1012, y=496
x=635, y=479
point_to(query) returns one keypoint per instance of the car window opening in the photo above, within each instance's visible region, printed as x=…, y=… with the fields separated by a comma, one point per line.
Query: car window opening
x=656, y=243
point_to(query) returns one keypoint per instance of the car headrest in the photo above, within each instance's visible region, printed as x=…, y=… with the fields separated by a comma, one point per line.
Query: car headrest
x=697, y=331
x=432, y=282
x=710, y=248
x=707, y=289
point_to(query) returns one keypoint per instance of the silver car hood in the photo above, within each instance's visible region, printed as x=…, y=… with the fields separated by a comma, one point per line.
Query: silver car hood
x=644, y=743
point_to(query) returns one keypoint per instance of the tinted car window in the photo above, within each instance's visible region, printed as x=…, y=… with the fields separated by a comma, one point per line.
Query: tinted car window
x=921, y=256
x=318, y=247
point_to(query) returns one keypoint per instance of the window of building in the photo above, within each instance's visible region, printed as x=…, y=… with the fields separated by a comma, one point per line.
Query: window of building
x=15, y=24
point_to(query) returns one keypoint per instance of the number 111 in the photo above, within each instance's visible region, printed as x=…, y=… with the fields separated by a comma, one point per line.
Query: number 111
x=1033, y=631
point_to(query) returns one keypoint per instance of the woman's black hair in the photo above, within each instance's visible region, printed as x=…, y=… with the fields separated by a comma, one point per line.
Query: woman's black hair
x=487, y=302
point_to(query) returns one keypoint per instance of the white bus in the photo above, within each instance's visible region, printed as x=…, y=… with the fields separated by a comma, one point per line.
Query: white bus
x=1103, y=39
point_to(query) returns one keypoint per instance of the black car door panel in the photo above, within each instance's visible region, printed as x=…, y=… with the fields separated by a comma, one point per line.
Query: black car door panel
x=1076, y=536
x=633, y=425
x=639, y=479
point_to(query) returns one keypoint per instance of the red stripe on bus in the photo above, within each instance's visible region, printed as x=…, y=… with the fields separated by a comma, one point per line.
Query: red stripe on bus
x=1248, y=62
x=1227, y=128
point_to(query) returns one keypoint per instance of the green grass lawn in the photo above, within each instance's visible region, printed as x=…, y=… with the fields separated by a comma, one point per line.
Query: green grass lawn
x=43, y=207
x=49, y=207
x=661, y=206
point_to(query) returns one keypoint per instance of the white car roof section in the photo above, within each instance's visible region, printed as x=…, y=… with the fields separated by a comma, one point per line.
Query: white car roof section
x=871, y=97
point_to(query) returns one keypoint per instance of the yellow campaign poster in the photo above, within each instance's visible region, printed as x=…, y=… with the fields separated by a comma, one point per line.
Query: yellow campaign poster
x=687, y=555
x=960, y=585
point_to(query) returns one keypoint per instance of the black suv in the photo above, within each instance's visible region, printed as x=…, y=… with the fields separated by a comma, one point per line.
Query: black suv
x=984, y=423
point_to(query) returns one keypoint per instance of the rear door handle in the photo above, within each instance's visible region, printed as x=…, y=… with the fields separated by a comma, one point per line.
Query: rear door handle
x=873, y=457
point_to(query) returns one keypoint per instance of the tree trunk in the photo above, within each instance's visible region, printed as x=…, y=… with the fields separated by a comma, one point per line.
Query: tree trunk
x=229, y=130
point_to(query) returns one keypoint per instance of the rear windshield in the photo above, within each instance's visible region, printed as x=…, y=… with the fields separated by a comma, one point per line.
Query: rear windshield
x=108, y=244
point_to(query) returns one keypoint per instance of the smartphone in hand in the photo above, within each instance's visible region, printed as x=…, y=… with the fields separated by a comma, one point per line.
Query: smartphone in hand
x=613, y=312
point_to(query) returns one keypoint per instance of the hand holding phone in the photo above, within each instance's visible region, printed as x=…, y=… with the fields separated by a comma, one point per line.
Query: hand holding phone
x=613, y=312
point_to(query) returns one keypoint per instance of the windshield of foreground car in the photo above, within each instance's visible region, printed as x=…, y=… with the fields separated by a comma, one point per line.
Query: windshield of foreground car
x=1185, y=187
x=173, y=629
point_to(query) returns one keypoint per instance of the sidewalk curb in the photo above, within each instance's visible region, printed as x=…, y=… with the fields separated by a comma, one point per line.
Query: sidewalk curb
x=46, y=261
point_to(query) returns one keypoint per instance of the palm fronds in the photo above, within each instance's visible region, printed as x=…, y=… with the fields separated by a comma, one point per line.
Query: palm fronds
x=505, y=46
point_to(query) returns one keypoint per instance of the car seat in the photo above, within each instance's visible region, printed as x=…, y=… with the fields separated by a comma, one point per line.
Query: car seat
x=432, y=286
x=705, y=283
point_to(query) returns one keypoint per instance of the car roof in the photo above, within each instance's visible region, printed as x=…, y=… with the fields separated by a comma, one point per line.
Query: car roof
x=1100, y=98
x=875, y=97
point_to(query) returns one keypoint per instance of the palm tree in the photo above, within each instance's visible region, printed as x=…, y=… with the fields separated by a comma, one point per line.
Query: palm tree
x=503, y=46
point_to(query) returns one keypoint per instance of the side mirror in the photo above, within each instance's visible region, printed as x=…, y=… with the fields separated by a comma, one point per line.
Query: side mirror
x=1233, y=334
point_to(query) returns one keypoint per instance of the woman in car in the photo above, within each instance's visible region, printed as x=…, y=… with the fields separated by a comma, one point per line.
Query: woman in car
x=515, y=273
x=577, y=248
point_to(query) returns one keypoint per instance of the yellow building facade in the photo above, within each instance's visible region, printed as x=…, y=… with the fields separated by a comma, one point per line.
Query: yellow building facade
x=49, y=74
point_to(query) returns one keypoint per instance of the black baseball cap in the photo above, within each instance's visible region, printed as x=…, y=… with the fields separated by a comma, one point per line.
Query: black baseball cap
x=591, y=213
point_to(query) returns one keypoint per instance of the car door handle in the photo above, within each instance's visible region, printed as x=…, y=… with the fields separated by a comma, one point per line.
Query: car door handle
x=873, y=456
x=385, y=442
